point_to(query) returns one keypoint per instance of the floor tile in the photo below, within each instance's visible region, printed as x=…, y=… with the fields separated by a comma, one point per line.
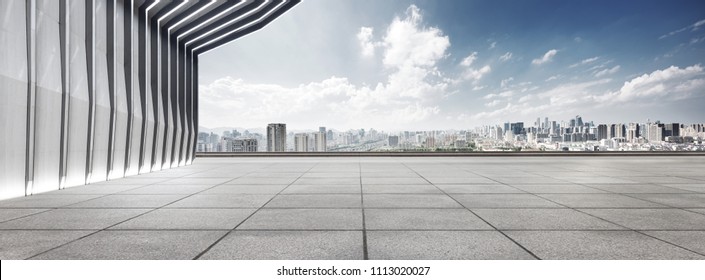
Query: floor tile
x=503, y=201
x=22, y=244
x=9, y=214
x=409, y=201
x=598, y=245
x=322, y=189
x=675, y=200
x=566, y=188
x=45, y=201
x=692, y=240
x=288, y=245
x=129, y=201
x=224, y=219
x=80, y=219
x=245, y=189
x=305, y=219
x=420, y=219
x=400, y=189
x=168, y=189
x=222, y=201
x=316, y=201
x=442, y=245
x=542, y=219
x=652, y=219
x=496, y=188
x=599, y=201
x=136, y=245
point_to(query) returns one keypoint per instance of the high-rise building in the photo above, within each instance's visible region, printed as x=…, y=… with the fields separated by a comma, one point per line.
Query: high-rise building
x=322, y=129
x=619, y=131
x=655, y=133
x=671, y=129
x=517, y=128
x=276, y=137
x=632, y=132
x=393, y=141
x=602, y=132
x=301, y=142
x=320, y=141
x=578, y=121
x=244, y=145
x=430, y=142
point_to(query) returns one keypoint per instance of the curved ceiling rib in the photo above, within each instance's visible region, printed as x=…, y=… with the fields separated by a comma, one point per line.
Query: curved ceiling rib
x=200, y=26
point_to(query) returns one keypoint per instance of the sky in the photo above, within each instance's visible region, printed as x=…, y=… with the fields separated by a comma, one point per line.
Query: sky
x=422, y=65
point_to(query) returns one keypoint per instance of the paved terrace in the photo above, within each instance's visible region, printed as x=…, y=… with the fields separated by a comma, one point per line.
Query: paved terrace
x=374, y=208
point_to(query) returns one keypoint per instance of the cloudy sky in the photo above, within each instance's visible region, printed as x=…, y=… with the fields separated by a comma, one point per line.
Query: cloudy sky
x=412, y=65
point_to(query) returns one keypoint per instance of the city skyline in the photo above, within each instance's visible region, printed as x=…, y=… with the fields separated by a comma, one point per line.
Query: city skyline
x=426, y=64
x=578, y=134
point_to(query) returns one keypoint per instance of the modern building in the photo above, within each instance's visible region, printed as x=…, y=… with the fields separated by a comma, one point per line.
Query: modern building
x=393, y=141
x=301, y=142
x=656, y=132
x=671, y=129
x=602, y=132
x=244, y=145
x=101, y=89
x=276, y=137
x=320, y=141
x=633, y=132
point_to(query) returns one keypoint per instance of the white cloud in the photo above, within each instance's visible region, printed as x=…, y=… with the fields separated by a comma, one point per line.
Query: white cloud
x=693, y=27
x=608, y=71
x=492, y=45
x=672, y=83
x=366, y=44
x=493, y=103
x=473, y=74
x=504, y=94
x=409, y=97
x=585, y=61
x=476, y=74
x=467, y=61
x=505, y=82
x=505, y=57
x=554, y=77
x=546, y=57
x=578, y=39
x=407, y=43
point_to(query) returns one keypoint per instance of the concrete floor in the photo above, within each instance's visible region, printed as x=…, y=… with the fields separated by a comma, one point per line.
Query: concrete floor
x=374, y=208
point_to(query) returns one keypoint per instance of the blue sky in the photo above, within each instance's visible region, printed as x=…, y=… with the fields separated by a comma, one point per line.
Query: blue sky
x=413, y=65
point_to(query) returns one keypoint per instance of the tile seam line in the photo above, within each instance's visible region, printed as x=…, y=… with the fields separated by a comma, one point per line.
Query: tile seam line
x=633, y=230
x=483, y=220
x=365, y=251
x=211, y=246
x=110, y=226
x=630, y=195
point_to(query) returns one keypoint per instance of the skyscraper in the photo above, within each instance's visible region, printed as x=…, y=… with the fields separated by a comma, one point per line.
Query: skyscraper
x=602, y=132
x=633, y=132
x=276, y=137
x=244, y=145
x=320, y=140
x=671, y=129
x=393, y=141
x=301, y=142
